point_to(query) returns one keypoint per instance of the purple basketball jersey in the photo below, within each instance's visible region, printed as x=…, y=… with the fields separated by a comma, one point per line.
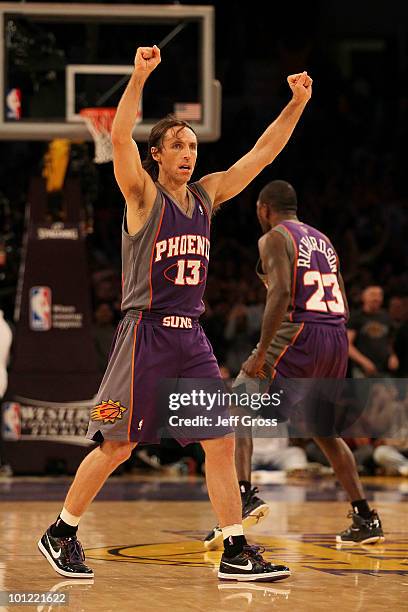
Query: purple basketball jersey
x=316, y=294
x=180, y=260
x=165, y=264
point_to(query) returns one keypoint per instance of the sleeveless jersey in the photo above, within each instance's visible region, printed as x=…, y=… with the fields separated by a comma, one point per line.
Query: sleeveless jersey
x=164, y=265
x=316, y=296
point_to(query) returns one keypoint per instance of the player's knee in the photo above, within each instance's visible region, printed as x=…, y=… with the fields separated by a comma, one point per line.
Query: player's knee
x=118, y=452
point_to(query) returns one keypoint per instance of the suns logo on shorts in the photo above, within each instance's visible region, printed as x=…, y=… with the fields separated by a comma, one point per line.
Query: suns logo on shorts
x=108, y=412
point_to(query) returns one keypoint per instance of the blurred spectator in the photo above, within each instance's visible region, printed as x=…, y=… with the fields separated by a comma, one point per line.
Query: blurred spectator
x=391, y=452
x=168, y=457
x=363, y=450
x=397, y=311
x=384, y=414
x=276, y=454
x=392, y=456
x=369, y=334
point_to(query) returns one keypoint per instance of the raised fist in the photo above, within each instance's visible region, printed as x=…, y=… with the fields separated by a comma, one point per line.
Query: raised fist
x=301, y=86
x=147, y=58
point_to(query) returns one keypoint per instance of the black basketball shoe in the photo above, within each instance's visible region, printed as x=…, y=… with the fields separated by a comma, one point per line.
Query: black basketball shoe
x=250, y=565
x=65, y=555
x=362, y=531
x=254, y=509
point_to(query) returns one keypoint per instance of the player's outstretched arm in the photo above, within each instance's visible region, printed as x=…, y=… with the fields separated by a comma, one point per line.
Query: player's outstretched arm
x=276, y=264
x=136, y=185
x=222, y=186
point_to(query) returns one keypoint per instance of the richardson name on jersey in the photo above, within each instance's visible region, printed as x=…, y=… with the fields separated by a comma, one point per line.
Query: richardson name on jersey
x=308, y=244
x=187, y=244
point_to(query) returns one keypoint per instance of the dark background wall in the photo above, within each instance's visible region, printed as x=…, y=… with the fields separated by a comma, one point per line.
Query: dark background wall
x=347, y=158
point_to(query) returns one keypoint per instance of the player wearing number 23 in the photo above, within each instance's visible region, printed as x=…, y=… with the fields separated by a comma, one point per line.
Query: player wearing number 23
x=303, y=337
x=306, y=306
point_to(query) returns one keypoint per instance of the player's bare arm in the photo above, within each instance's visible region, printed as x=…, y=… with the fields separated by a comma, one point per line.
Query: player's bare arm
x=276, y=264
x=134, y=182
x=222, y=186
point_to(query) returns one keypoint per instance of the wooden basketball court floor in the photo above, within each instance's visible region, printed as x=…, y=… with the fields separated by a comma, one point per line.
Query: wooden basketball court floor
x=142, y=537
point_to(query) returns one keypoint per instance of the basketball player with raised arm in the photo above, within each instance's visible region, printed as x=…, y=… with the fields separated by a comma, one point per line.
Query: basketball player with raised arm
x=303, y=336
x=165, y=249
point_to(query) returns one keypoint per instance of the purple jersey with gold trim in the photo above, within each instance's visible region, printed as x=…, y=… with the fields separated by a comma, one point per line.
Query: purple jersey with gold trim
x=164, y=266
x=316, y=294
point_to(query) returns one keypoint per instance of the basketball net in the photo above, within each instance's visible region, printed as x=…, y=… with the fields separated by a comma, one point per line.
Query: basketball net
x=99, y=122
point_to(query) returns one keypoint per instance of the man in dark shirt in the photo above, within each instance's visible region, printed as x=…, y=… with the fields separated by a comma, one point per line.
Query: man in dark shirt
x=369, y=335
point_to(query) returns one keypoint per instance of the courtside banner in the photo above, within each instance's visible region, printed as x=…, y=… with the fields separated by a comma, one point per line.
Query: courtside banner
x=64, y=422
x=54, y=356
x=193, y=409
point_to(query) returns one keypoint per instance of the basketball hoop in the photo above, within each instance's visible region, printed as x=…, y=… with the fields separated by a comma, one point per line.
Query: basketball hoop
x=99, y=123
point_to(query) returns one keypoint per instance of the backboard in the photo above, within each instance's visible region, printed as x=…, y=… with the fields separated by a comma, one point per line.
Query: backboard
x=58, y=58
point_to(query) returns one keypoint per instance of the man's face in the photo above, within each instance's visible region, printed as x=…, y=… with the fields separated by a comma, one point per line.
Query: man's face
x=372, y=298
x=178, y=154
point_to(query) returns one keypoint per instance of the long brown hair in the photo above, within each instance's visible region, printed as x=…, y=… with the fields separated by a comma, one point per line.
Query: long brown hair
x=156, y=140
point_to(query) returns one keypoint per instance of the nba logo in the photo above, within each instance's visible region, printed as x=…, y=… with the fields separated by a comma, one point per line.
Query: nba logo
x=40, y=308
x=11, y=421
x=13, y=104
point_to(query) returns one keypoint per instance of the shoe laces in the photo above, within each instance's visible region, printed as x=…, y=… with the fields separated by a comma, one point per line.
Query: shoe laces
x=75, y=550
x=371, y=520
x=256, y=553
